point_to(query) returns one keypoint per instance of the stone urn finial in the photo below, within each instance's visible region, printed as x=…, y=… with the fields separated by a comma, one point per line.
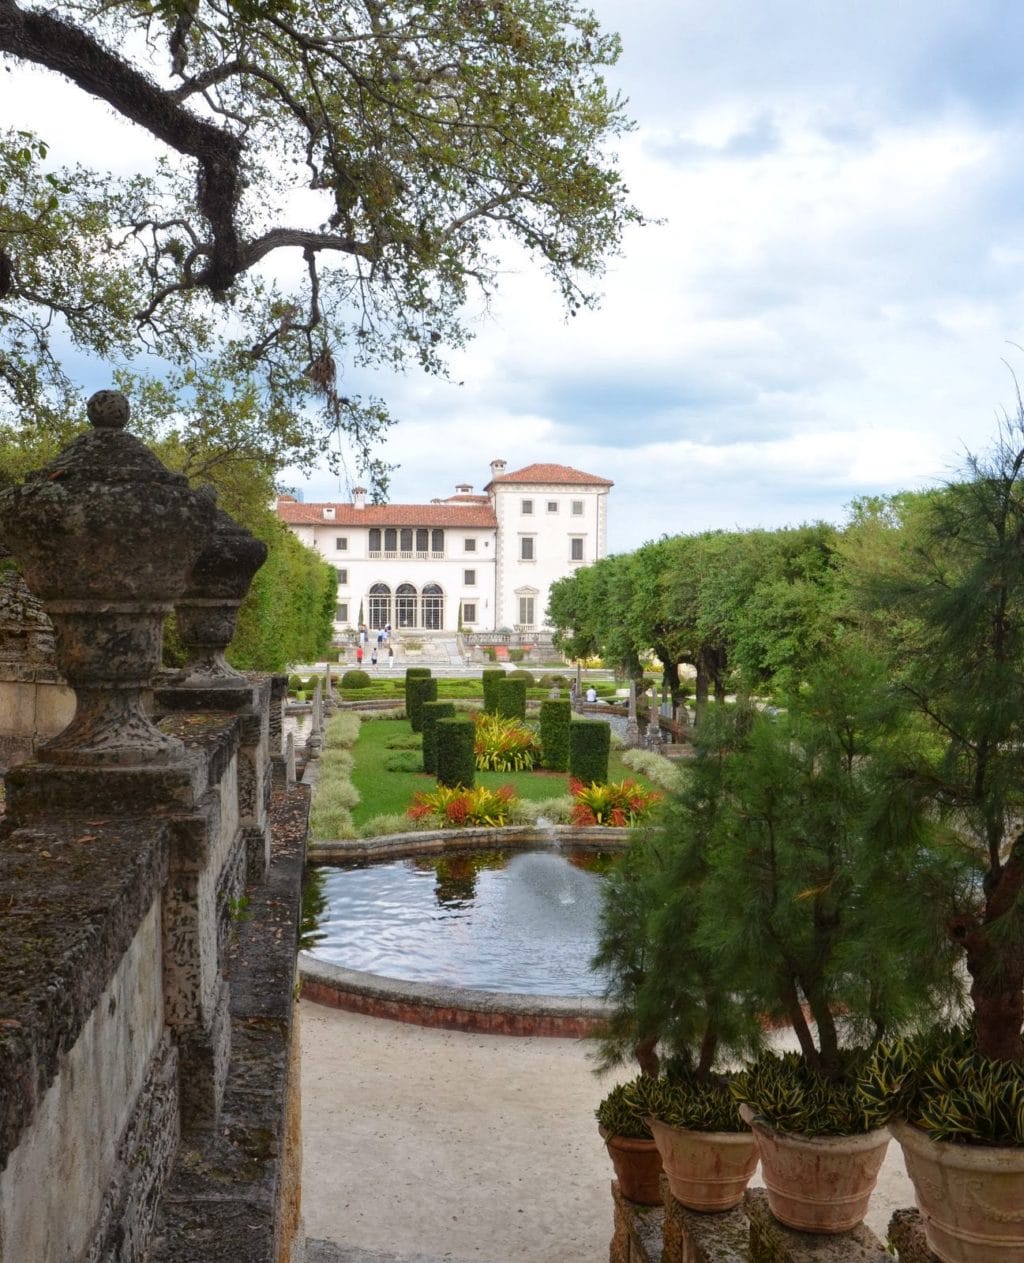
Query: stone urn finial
x=207, y=611
x=106, y=537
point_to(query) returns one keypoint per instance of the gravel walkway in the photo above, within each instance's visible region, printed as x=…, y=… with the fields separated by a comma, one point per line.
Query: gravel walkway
x=429, y=1146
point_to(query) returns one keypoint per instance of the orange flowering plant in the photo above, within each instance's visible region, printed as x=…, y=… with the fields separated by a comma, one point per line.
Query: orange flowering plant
x=452, y=806
x=620, y=803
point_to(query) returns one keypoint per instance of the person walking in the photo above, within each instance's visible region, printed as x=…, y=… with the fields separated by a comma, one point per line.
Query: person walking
x=391, y=656
x=359, y=655
x=373, y=656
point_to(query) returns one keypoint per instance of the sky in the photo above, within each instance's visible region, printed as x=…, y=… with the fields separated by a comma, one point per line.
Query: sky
x=830, y=305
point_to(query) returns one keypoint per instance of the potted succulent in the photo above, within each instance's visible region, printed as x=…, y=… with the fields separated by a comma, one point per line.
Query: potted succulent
x=782, y=808
x=672, y=1015
x=959, y=1118
x=950, y=601
x=707, y=1150
x=623, y=1127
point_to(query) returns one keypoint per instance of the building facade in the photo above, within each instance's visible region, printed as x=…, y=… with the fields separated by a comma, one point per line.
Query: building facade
x=483, y=562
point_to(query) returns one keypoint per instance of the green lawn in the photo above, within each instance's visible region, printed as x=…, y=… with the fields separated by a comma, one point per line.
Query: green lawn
x=383, y=792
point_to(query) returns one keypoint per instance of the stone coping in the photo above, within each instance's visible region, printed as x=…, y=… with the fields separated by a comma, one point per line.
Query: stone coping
x=431, y=841
x=456, y=1008
x=450, y=1008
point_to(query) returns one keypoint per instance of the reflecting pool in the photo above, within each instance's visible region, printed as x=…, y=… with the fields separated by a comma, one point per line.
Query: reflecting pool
x=498, y=920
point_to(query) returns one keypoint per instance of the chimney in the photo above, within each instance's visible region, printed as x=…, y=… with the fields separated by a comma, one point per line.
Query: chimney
x=497, y=468
x=359, y=497
x=328, y=512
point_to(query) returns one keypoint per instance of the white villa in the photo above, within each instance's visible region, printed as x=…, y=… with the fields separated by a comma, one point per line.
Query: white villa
x=485, y=561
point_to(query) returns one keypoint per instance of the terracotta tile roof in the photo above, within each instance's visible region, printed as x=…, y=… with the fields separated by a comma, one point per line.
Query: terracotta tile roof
x=475, y=516
x=557, y=474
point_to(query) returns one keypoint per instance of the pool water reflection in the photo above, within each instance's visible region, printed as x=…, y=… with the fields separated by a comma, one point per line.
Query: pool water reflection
x=509, y=921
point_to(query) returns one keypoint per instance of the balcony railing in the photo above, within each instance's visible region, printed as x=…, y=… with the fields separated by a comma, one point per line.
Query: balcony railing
x=404, y=554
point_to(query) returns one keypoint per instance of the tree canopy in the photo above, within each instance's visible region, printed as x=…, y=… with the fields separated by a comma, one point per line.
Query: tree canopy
x=388, y=153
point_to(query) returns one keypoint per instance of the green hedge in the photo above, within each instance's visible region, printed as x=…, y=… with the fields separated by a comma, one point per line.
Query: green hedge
x=510, y=698
x=555, y=718
x=413, y=673
x=420, y=689
x=455, y=758
x=430, y=713
x=589, y=743
x=489, y=678
x=356, y=680
x=522, y=674
x=288, y=613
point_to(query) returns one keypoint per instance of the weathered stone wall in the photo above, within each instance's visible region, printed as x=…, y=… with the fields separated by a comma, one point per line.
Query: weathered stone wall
x=749, y=1234
x=83, y=1053
x=147, y=1103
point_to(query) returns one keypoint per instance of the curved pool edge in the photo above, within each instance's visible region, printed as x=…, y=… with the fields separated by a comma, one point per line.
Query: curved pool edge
x=426, y=841
x=450, y=1008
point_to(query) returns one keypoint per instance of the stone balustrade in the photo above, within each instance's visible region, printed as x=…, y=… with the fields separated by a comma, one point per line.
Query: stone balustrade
x=148, y=1106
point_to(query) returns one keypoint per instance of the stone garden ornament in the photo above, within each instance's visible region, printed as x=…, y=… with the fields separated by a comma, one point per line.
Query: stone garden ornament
x=107, y=537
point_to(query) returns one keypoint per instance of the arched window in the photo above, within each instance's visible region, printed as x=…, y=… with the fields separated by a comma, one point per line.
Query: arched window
x=422, y=539
x=433, y=607
x=405, y=605
x=406, y=539
x=374, y=539
x=437, y=541
x=380, y=605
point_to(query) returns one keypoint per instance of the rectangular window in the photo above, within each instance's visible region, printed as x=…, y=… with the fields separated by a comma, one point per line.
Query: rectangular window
x=526, y=548
x=342, y=576
x=527, y=507
x=341, y=612
x=469, y=578
x=526, y=611
x=577, y=508
x=341, y=543
x=576, y=548
x=552, y=506
x=469, y=545
x=469, y=611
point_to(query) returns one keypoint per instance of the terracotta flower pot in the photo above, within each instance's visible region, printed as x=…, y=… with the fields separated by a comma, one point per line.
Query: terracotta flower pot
x=706, y=1170
x=637, y=1164
x=818, y=1183
x=971, y=1197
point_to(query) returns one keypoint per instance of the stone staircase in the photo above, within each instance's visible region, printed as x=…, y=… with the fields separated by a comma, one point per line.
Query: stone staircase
x=435, y=649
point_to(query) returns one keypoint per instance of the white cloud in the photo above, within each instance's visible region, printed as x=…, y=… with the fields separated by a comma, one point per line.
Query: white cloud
x=824, y=310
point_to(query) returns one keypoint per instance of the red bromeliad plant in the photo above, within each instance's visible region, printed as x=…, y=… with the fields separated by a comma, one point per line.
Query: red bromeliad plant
x=619, y=804
x=455, y=806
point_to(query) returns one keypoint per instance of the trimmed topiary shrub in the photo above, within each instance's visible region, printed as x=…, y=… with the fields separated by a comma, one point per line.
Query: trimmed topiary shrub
x=489, y=679
x=554, y=682
x=430, y=713
x=455, y=757
x=294, y=683
x=355, y=680
x=311, y=683
x=555, y=718
x=418, y=689
x=589, y=743
x=413, y=673
x=510, y=698
x=522, y=674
